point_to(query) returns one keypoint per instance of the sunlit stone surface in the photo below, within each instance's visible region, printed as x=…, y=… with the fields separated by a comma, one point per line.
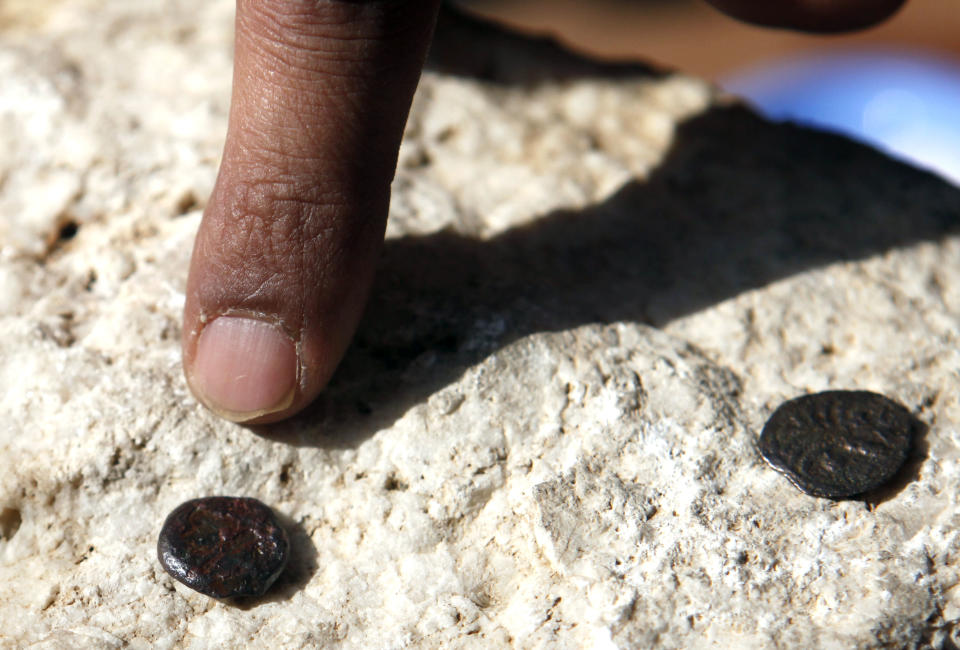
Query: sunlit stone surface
x=594, y=293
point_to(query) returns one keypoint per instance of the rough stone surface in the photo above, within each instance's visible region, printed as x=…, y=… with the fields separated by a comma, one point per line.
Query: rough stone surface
x=595, y=291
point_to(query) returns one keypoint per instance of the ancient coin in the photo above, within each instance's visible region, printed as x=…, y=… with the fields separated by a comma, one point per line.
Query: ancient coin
x=223, y=547
x=838, y=443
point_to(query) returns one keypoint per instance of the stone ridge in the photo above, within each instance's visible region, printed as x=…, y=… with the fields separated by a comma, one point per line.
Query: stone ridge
x=598, y=284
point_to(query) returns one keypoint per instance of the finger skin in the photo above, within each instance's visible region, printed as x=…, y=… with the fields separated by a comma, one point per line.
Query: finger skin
x=811, y=15
x=321, y=92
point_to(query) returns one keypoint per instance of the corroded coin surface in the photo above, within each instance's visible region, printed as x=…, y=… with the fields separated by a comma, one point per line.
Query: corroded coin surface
x=838, y=443
x=223, y=547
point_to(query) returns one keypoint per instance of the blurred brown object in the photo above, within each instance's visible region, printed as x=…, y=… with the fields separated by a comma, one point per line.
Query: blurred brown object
x=692, y=36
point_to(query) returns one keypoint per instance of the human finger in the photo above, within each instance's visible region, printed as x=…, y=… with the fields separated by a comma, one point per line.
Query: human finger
x=285, y=254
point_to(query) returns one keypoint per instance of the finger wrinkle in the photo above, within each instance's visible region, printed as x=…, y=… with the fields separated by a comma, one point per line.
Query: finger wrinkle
x=312, y=175
x=276, y=104
x=311, y=59
x=338, y=20
x=268, y=288
x=280, y=225
x=332, y=192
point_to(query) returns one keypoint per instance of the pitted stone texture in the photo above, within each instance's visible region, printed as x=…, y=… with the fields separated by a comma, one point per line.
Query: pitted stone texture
x=506, y=458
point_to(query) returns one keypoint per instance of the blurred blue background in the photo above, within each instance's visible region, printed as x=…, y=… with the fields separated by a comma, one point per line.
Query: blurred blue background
x=896, y=85
x=904, y=102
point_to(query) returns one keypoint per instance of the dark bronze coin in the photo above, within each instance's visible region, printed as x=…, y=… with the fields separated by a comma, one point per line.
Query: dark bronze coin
x=223, y=547
x=838, y=443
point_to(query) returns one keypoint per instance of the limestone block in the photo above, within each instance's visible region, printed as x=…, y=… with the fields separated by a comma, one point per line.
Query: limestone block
x=596, y=287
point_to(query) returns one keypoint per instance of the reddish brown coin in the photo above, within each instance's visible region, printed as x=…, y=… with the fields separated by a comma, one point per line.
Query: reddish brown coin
x=838, y=443
x=224, y=547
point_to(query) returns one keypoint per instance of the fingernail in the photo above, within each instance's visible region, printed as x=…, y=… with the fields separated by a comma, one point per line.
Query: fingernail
x=244, y=368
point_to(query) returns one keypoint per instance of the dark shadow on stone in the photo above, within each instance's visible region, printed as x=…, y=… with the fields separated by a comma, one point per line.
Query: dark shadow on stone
x=468, y=46
x=737, y=204
x=907, y=474
x=301, y=567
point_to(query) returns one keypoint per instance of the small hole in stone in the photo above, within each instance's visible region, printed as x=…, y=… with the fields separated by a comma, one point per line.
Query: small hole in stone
x=394, y=484
x=9, y=522
x=186, y=203
x=68, y=231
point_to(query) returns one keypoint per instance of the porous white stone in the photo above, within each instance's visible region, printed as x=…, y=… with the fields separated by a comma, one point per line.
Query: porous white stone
x=594, y=291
